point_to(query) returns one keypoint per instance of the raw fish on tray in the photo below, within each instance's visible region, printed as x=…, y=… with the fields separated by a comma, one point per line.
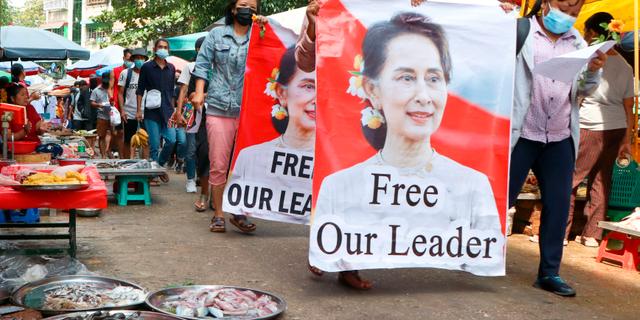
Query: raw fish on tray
x=218, y=303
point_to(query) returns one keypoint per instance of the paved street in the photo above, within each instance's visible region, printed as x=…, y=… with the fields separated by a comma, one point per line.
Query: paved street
x=169, y=243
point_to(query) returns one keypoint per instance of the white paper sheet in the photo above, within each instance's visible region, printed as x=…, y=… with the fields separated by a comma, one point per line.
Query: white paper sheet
x=565, y=67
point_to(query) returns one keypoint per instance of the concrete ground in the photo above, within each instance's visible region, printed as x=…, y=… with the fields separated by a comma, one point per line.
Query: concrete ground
x=169, y=243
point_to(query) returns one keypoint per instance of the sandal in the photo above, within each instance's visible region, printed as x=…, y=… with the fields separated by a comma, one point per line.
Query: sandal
x=316, y=272
x=353, y=280
x=200, y=204
x=154, y=182
x=164, y=178
x=217, y=225
x=243, y=224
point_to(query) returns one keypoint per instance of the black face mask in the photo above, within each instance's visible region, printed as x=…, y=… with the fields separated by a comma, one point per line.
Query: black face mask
x=244, y=16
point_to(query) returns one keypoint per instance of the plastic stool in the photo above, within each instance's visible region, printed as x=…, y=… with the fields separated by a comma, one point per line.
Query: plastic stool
x=20, y=216
x=141, y=186
x=627, y=256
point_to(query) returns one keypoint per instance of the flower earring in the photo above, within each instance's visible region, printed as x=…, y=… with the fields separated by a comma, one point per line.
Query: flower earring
x=371, y=118
x=279, y=112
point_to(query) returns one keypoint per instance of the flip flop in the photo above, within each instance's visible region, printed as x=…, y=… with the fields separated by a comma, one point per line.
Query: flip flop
x=243, y=224
x=200, y=205
x=356, y=282
x=316, y=272
x=164, y=178
x=217, y=225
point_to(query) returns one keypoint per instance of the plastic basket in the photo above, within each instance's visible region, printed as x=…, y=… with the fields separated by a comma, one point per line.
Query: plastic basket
x=616, y=215
x=625, y=186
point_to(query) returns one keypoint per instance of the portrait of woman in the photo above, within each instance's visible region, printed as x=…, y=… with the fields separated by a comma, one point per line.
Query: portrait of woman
x=407, y=69
x=294, y=117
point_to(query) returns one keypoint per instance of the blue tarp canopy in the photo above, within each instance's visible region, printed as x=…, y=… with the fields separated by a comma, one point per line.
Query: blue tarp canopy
x=30, y=44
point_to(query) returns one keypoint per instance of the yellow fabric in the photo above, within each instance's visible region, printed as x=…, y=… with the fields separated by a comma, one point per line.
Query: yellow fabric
x=619, y=9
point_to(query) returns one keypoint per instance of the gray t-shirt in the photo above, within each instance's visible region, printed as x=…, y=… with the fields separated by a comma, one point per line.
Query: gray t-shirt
x=101, y=97
x=131, y=102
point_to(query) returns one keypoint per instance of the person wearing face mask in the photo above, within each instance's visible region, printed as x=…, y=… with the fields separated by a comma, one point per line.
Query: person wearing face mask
x=155, y=102
x=118, y=130
x=224, y=52
x=128, y=84
x=102, y=102
x=545, y=127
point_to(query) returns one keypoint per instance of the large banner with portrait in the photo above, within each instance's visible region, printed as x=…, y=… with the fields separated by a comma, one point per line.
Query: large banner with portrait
x=272, y=166
x=412, y=141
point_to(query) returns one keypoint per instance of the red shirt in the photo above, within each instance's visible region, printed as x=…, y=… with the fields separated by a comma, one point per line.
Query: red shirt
x=116, y=73
x=33, y=118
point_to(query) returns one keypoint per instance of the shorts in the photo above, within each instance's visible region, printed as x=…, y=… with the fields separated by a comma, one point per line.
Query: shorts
x=119, y=127
x=130, y=128
x=102, y=127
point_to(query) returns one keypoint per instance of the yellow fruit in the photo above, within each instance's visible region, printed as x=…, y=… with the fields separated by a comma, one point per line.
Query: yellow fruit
x=143, y=133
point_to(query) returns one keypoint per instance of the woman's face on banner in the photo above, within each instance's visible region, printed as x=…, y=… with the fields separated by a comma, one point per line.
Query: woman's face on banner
x=411, y=89
x=299, y=97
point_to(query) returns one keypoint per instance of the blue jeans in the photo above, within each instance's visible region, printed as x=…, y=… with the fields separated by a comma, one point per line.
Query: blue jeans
x=553, y=165
x=154, y=131
x=191, y=156
x=173, y=137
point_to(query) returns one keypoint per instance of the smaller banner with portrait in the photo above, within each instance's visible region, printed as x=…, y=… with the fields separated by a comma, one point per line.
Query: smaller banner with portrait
x=272, y=167
x=413, y=131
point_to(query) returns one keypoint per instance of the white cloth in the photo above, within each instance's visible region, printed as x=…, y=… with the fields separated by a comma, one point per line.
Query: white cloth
x=253, y=168
x=604, y=109
x=465, y=196
x=76, y=112
x=131, y=103
x=185, y=76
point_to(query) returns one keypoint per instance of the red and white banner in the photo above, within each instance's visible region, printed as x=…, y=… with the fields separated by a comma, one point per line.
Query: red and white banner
x=272, y=166
x=412, y=145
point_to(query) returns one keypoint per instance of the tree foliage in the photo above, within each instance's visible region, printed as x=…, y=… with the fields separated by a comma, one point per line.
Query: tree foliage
x=5, y=13
x=31, y=15
x=145, y=21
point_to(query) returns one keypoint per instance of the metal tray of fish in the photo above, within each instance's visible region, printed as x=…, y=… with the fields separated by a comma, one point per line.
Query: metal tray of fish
x=158, y=300
x=33, y=294
x=50, y=187
x=114, y=315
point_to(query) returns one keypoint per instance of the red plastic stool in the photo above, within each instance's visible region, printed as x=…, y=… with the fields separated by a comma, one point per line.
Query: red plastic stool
x=627, y=256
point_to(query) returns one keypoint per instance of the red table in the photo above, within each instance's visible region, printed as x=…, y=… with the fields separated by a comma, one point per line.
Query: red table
x=94, y=197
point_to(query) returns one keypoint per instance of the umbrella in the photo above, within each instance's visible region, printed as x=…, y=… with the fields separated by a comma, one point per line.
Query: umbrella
x=104, y=57
x=177, y=62
x=30, y=68
x=184, y=46
x=107, y=69
x=4, y=74
x=34, y=44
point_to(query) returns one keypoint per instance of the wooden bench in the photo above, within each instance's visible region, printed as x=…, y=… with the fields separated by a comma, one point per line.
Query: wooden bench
x=628, y=256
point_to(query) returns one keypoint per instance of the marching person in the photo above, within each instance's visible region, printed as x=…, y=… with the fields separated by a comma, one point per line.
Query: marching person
x=606, y=123
x=128, y=85
x=224, y=52
x=155, y=102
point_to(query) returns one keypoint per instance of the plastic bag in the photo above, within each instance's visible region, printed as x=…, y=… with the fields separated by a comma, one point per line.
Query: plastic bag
x=16, y=270
x=114, y=117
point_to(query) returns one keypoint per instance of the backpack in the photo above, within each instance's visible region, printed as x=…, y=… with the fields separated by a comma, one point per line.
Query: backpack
x=524, y=26
x=126, y=87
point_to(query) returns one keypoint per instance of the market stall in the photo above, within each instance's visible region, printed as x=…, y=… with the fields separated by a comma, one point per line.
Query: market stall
x=64, y=197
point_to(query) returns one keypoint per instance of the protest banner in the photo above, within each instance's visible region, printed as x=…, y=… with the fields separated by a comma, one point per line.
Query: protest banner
x=272, y=166
x=412, y=147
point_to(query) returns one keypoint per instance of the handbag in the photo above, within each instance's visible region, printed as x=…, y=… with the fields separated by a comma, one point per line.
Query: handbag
x=152, y=99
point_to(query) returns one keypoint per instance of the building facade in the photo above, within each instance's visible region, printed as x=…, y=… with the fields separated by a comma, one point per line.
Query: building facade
x=73, y=19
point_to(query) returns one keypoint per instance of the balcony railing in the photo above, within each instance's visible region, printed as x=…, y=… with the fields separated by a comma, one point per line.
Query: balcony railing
x=51, y=5
x=96, y=2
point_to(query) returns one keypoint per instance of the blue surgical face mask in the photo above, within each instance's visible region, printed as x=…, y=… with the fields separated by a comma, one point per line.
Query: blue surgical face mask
x=162, y=53
x=557, y=21
x=138, y=63
x=128, y=64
